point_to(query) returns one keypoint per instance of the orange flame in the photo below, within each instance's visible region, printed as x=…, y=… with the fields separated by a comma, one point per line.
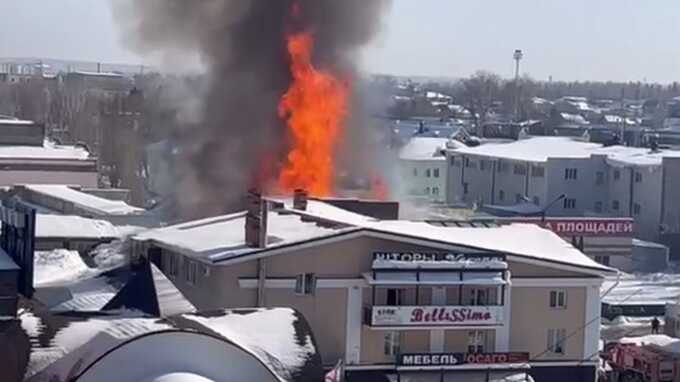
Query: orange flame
x=314, y=108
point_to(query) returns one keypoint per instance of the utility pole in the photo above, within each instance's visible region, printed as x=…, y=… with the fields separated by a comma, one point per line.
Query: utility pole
x=517, y=56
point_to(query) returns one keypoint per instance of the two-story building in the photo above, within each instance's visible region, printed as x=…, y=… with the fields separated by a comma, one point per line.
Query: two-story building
x=570, y=178
x=398, y=299
x=422, y=165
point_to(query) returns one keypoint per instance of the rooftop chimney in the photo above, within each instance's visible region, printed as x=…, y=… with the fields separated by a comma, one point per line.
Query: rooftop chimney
x=256, y=220
x=300, y=200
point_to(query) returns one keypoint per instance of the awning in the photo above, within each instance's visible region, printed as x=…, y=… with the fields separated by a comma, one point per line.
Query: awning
x=434, y=278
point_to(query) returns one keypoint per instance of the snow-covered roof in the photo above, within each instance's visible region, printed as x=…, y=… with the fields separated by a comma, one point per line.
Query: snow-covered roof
x=91, y=203
x=661, y=341
x=574, y=118
x=651, y=289
x=99, y=74
x=540, y=149
x=48, y=150
x=58, y=266
x=223, y=237
x=70, y=226
x=423, y=148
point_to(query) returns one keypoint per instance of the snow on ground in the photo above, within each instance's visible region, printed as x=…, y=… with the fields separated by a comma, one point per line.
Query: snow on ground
x=624, y=326
x=59, y=265
x=652, y=288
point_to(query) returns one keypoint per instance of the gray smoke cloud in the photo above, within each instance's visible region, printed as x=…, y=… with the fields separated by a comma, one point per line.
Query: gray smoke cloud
x=241, y=44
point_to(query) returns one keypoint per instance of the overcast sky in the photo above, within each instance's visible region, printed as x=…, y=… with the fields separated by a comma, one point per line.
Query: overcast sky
x=632, y=40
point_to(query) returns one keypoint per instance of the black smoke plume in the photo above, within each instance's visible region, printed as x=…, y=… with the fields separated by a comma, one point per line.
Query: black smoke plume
x=241, y=44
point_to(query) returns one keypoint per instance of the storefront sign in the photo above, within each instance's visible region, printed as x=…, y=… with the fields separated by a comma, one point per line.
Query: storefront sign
x=436, y=315
x=437, y=256
x=584, y=226
x=452, y=359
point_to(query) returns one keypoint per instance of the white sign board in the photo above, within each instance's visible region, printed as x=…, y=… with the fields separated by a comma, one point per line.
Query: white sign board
x=436, y=315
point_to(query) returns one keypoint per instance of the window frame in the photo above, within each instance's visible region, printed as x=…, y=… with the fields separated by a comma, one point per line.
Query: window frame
x=305, y=284
x=554, y=299
x=435, y=173
x=392, y=344
x=477, y=341
x=557, y=337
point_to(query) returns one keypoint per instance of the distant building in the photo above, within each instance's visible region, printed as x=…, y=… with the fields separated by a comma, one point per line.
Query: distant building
x=596, y=181
x=27, y=157
x=423, y=168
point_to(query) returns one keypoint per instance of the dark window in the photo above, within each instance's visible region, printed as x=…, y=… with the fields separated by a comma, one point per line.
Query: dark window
x=570, y=173
x=427, y=173
x=569, y=203
x=638, y=177
x=466, y=161
x=615, y=205
x=537, y=171
x=501, y=195
x=599, y=178
x=617, y=174
x=465, y=188
x=482, y=165
x=435, y=172
x=435, y=190
x=519, y=169
x=636, y=209
x=415, y=172
x=393, y=297
x=305, y=284
x=558, y=299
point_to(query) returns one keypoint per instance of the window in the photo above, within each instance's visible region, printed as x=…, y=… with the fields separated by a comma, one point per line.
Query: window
x=479, y=297
x=465, y=188
x=455, y=162
x=427, y=173
x=604, y=260
x=435, y=190
x=415, y=171
x=394, y=297
x=466, y=161
x=392, y=346
x=558, y=299
x=305, y=284
x=435, y=172
x=519, y=169
x=638, y=177
x=598, y=207
x=537, y=201
x=570, y=173
x=569, y=203
x=617, y=174
x=537, y=171
x=557, y=340
x=636, y=209
x=501, y=195
x=476, y=341
x=615, y=205
x=190, y=270
x=483, y=164
x=599, y=178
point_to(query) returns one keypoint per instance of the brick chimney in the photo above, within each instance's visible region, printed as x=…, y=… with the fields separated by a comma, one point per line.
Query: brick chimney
x=256, y=220
x=300, y=200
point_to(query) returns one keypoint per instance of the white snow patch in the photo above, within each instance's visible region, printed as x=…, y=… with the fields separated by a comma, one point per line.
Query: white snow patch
x=663, y=341
x=419, y=148
x=59, y=265
x=69, y=226
x=274, y=325
x=85, y=201
x=654, y=288
x=110, y=255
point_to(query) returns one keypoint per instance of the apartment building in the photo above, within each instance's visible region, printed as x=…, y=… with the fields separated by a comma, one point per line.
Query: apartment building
x=423, y=168
x=565, y=177
x=397, y=299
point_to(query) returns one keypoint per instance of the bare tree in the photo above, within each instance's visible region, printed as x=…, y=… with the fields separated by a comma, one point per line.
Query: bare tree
x=478, y=93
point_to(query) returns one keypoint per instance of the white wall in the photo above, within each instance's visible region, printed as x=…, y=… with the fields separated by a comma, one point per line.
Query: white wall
x=419, y=184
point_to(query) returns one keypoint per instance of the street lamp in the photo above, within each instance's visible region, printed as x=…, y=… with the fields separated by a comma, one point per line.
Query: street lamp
x=517, y=56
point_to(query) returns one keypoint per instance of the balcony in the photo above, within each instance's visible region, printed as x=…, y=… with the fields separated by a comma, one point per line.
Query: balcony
x=448, y=316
